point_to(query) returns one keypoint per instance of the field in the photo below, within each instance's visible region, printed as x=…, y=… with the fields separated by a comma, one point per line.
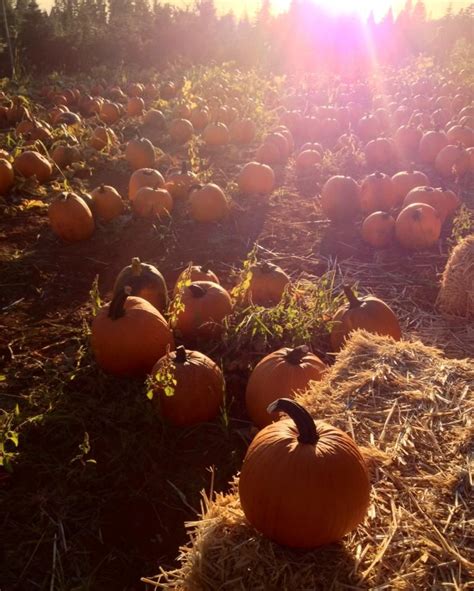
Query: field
x=95, y=486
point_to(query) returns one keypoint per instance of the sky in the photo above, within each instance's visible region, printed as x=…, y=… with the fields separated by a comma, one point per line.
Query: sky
x=434, y=8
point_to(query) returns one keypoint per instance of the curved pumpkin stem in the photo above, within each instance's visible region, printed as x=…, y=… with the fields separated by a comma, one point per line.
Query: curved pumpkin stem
x=180, y=355
x=136, y=267
x=196, y=290
x=301, y=417
x=295, y=356
x=354, y=302
x=117, y=309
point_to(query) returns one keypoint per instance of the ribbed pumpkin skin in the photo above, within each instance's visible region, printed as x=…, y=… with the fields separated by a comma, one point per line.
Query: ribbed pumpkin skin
x=198, y=393
x=202, y=316
x=275, y=377
x=131, y=344
x=148, y=284
x=418, y=226
x=373, y=315
x=70, y=218
x=256, y=178
x=303, y=495
x=340, y=198
x=267, y=284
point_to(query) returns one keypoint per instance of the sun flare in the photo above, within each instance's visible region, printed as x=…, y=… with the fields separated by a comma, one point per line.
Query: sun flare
x=361, y=7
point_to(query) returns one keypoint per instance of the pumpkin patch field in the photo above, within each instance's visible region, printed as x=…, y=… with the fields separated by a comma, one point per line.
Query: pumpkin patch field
x=237, y=329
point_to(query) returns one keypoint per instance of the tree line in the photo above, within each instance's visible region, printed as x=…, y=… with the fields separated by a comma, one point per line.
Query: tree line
x=77, y=35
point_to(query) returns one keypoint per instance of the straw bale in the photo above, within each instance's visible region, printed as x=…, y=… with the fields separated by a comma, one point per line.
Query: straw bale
x=456, y=294
x=410, y=409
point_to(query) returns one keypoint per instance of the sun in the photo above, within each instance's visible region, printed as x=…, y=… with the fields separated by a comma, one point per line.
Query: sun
x=361, y=7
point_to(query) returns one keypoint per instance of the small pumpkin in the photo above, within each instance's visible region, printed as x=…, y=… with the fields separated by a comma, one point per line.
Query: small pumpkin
x=407, y=140
x=377, y=193
x=109, y=112
x=267, y=284
x=206, y=304
x=129, y=335
x=216, y=134
x=418, y=226
x=64, y=155
x=378, y=229
x=462, y=134
x=144, y=177
x=208, y=203
x=107, y=202
x=140, y=153
x=340, y=198
x=179, y=183
x=135, y=106
x=7, y=177
x=256, y=178
x=368, y=313
x=154, y=118
x=180, y=130
x=430, y=196
x=306, y=161
x=380, y=153
x=405, y=181
x=198, y=389
x=303, y=483
x=70, y=217
x=452, y=160
x=281, y=373
x=145, y=281
x=30, y=163
x=150, y=202
x=102, y=137
x=268, y=154
x=431, y=144
x=242, y=131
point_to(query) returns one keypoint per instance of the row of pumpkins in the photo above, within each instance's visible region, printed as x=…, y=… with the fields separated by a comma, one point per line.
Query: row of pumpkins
x=130, y=337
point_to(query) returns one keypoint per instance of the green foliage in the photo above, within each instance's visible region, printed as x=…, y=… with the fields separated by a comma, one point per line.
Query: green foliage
x=463, y=225
x=164, y=379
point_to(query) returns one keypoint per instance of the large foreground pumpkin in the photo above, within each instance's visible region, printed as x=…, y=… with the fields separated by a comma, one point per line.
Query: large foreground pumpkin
x=368, y=313
x=303, y=483
x=145, y=281
x=129, y=335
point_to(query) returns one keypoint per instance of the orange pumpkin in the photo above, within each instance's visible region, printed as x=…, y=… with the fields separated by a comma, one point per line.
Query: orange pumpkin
x=144, y=177
x=195, y=273
x=208, y=203
x=135, y=106
x=282, y=373
x=109, y=112
x=407, y=140
x=242, y=131
x=197, y=392
x=340, y=198
x=180, y=182
x=367, y=313
x=150, y=202
x=267, y=284
x=431, y=145
x=64, y=156
x=377, y=193
x=140, y=153
x=378, y=229
x=145, y=281
x=430, y=196
x=107, y=202
x=154, y=118
x=180, y=130
x=7, y=176
x=268, y=154
x=70, y=218
x=31, y=163
x=102, y=137
x=379, y=153
x=418, y=226
x=462, y=134
x=306, y=161
x=256, y=178
x=453, y=160
x=129, y=335
x=405, y=181
x=216, y=134
x=303, y=483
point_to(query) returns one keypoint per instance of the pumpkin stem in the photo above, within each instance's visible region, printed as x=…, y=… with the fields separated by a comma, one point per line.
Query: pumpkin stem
x=301, y=417
x=295, y=356
x=196, y=290
x=354, y=302
x=136, y=267
x=205, y=268
x=116, y=309
x=102, y=188
x=184, y=167
x=180, y=355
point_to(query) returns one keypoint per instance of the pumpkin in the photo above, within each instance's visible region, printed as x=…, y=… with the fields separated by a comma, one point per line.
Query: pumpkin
x=378, y=229
x=129, y=335
x=367, y=313
x=145, y=281
x=377, y=193
x=256, y=178
x=267, y=284
x=179, y=183
x=462, y=134
x=208, y=203
x=154, y=118
x=168, y=91
x=418, y=226
x=102, y=137
x=31, y=163
x=7, y=176
x=206, y=304
x=149, y=202
x=144, y=177
x=242, y=131
x=452, y=160
x=216, y=134
x=268, y=154
x=279, y=140
x=281, y=373
x=107, y=202
x=70, y=217
x=431, y=145
x=303, y=483
x=451, y=200
x=340, y=198
x=198, y=388
x=199, y=117
x=368, y=128
x=430, y=196
x=180, y=130
x=109, y=112
x=306, y=161
x=140, y=153
x=312, y=146
x=195, y=273
x=407, y=140
x=135, y=106
x=64, y=156
x=380, y=153
x=405, y=181
x=286, y=133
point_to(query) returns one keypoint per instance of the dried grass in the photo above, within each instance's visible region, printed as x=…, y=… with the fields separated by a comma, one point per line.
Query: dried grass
x=410, y=409
x=456, y=295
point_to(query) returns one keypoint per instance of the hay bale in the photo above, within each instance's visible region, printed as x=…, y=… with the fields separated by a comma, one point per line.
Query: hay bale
x=456, y=295
x=411, y=410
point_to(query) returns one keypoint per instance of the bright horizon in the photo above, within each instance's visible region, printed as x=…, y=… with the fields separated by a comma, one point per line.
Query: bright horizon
x=434, y=8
